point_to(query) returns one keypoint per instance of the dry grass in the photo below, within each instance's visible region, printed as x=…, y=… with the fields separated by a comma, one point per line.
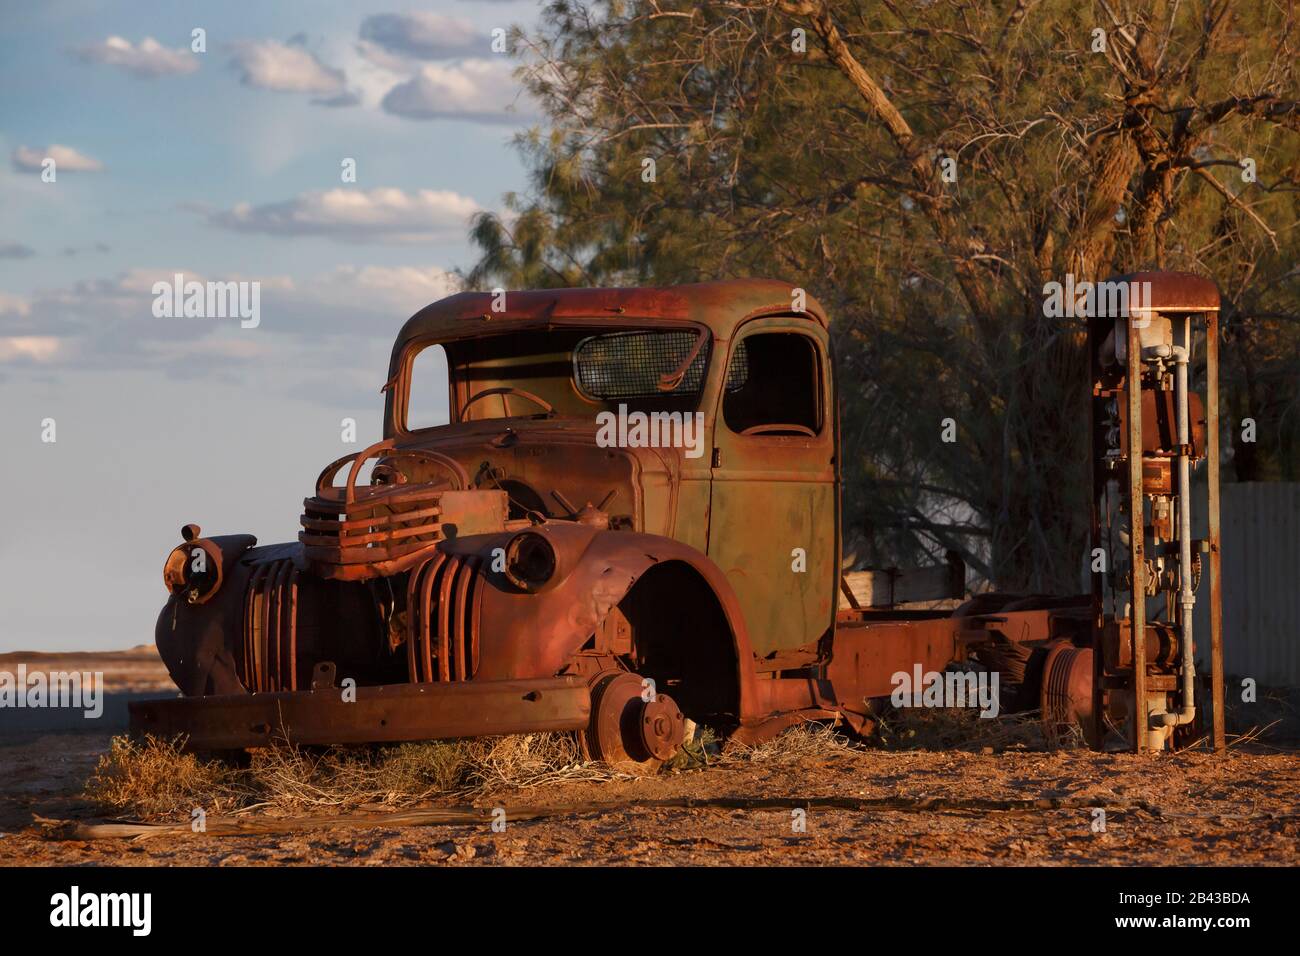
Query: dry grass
x=154, y=779
x=798, y=743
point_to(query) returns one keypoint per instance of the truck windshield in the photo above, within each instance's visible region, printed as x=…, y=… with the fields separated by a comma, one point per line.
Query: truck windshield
x=573, y=372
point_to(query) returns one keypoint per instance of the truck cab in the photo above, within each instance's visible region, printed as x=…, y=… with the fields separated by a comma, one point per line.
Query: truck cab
x=753, y=487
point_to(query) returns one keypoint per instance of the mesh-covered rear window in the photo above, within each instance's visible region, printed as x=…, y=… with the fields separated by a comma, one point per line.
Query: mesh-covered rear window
x=622, y=365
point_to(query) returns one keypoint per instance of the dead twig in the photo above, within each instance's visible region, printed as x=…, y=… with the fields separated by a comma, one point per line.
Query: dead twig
x=462, y=816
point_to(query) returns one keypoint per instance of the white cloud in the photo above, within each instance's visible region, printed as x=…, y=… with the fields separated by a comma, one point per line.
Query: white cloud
x=13, y=306
x=285, y=68
x=383, y=215
x=149, y=59
x=23, y=348
x=109, y=323
x=66, y=159
x=420, y=35
x=398, y=290
x=472, y=89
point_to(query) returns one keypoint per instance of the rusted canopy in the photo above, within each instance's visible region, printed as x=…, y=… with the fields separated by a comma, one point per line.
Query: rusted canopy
x=720, y=305
x=1176, y=291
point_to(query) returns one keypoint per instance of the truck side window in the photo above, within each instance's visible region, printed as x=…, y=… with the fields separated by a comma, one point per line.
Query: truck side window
x=430, y=401
x=773, y=385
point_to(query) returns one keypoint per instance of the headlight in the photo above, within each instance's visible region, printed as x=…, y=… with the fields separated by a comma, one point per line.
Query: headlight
x=530, y=561
x=193, y=568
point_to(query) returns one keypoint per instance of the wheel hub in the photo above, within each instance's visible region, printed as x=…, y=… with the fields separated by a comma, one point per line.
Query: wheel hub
x=662, y=727
x=626, y=726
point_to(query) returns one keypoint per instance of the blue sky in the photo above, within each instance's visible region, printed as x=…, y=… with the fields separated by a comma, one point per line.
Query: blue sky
x=224, y=165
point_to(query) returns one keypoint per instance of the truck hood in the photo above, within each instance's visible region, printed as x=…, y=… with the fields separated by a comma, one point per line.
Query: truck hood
x=557, y=466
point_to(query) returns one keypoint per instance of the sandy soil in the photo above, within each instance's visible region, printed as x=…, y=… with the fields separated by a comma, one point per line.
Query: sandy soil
x=1240, y=808
x=1237, y=809
x=137, y=669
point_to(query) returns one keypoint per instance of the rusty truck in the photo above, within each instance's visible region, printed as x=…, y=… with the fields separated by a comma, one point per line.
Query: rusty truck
x=616, y=512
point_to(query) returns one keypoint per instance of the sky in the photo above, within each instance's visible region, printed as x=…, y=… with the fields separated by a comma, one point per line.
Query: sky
x=225, y=165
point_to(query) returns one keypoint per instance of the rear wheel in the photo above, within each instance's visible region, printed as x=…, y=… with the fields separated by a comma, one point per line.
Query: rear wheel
x=633, y=727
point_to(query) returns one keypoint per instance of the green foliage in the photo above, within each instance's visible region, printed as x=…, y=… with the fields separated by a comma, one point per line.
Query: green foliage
x=770, y=161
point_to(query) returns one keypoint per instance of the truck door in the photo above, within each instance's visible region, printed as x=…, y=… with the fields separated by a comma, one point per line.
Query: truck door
x=773, y=518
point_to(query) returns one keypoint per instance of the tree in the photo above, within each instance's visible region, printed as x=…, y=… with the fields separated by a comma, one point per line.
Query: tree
x=925, y=169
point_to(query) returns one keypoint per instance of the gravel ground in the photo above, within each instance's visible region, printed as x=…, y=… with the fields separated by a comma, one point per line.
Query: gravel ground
x=1240, y=808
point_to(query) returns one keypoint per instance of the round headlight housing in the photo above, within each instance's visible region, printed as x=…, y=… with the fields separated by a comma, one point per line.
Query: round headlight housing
x=530, y=561
x=193, y=569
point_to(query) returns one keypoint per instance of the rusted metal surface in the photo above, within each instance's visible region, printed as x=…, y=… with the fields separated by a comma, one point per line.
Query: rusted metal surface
x=512, y=573
x=1137, y=547
x=1158, y=432
x=389, y=713
x=630, y=722
x=721, y=305
x=1066, y=700
x=383, y=529
x=179, y=571
x=1160, y=645
x=444, y=618
x=1148, y=426
x=269, y=658
x=1176, y=291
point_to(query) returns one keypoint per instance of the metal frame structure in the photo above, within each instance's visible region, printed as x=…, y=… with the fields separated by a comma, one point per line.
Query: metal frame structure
x=1152, y=671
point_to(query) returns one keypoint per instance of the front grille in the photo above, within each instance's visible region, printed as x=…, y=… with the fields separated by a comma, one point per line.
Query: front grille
x=269, y=658
x=385, y=529
x=444, y=600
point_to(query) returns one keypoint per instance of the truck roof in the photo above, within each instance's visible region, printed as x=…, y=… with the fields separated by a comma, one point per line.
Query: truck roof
x=721, y=305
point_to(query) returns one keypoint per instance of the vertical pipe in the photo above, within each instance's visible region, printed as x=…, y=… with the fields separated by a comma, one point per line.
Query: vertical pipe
x=1186, y=599
x=1212, y=506
x=1137, y=533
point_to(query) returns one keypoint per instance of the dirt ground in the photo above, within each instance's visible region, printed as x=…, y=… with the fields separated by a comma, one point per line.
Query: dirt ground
x=136, y=669
x=1240, y=808
x=1237, y=809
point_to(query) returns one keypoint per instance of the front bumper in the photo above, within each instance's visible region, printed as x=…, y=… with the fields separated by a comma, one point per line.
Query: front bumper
x=383, y=714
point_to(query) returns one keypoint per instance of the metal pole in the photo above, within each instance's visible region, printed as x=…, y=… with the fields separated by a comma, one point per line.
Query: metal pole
x=1137, y=533
x=1098, y=584
x=1212, y=482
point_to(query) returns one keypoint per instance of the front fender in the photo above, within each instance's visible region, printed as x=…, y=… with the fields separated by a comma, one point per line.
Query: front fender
x=194, y=640
x=535, y=635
